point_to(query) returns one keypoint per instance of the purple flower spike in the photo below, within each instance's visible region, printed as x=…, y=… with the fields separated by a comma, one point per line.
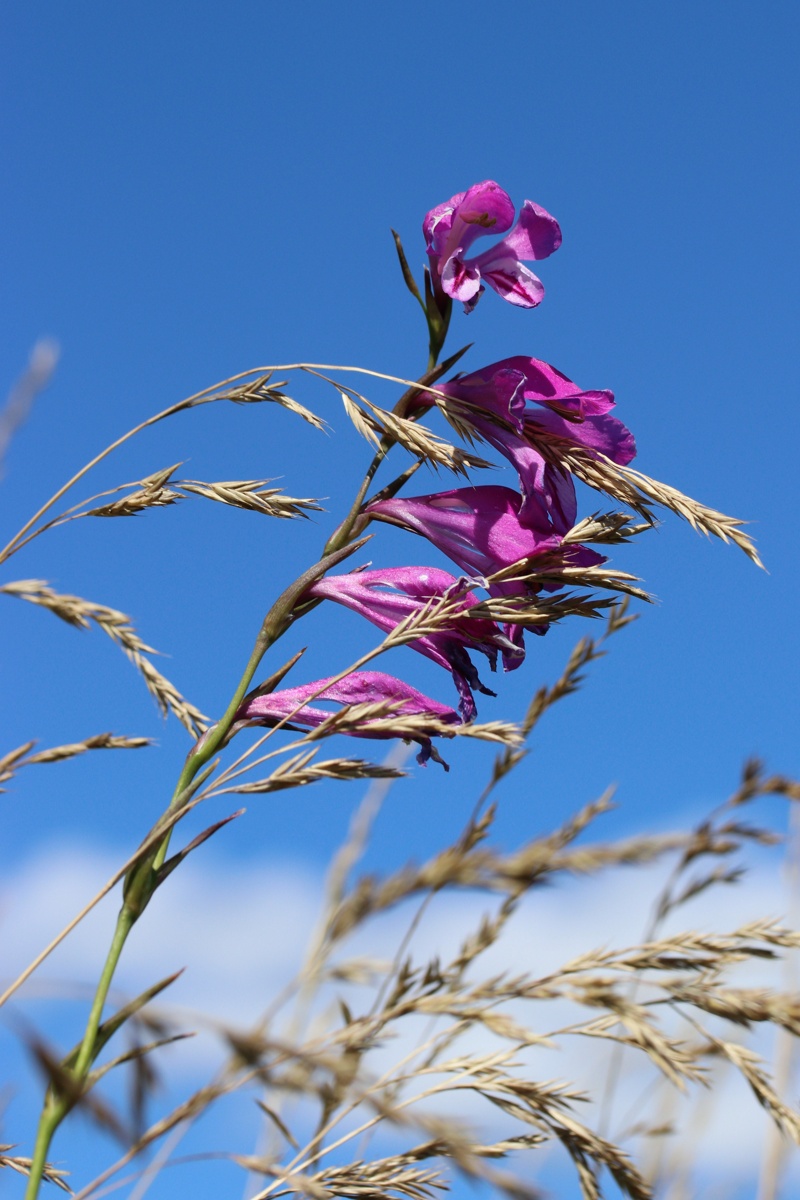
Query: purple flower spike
x=386, y=597
x=451, y=228
x=540, y=408
x=359, y=687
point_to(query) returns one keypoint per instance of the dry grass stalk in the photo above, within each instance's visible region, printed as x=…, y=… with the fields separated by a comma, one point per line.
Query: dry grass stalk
x=640, y=493
x=117, y=625
x=541, y=610
x=261, y=390
x=439, y=614
x=253, y=495
x=151, y=492
x=686, y=970
x=605, y=529
x=374, y=423
x=551, y=569
x=586, y=651
x=13, y=760
x=100, y=741
x=159, y=490
x=352, y=718
x=250, y=391
x=21, y=757
x=625, y=484
x=749, y=1065
x=300, y=771
x=41, y=366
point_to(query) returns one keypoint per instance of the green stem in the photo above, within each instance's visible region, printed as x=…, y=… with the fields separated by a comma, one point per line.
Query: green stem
x=50, y=1120
x=340, y=536
x=56, y=1108
x=86, y=1054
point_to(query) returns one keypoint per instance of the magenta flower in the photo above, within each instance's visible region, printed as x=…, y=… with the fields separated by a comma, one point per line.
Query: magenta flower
x=541, y=410
x=451, y=228
x=359, y=687
x=479, y=528
x=386, y=597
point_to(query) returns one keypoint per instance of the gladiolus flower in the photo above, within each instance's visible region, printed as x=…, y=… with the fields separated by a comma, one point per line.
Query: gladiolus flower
x=479, y=528
x=388, y=596
x=451, y=228
x=523, y=407
x=359, y=687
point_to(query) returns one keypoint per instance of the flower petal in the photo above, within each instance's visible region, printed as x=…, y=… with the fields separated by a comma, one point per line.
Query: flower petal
x=494, y=389
x=601, y=433
x=478, y=528
x=483, y=208
x=544, y=382
x=359, y=687
x=438, y=222
x=461, y=280
x=509, y=278
x=387, y=597
x=536, y=234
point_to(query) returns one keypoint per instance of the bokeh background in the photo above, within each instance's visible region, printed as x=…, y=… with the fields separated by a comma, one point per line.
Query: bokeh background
x=192, y=190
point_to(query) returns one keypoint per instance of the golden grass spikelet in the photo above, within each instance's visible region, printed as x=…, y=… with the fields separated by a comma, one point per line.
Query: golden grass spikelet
x=262, y=390
x=755, y=783
x=151, y=492
x=21, y=757
x=13, y=760
x=545, y=1107
x=529, y=612
x=433, y=616
x=374, y=423
x=22, y=1166
x=367, y=426
x=742, y=1006
x=117, y=625
x=640, y=492
x=300, y=771
x=253, y=495
x=750, y=1066
x=385, y=720
x=100, y=741
x=378, y=1179
x=672, y=1058
x=457, y=420
x=605, y=529
x=136, y=502
x=539, y=570
x=350, y=717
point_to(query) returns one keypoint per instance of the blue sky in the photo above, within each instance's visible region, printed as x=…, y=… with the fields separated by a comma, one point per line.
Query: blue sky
x=193, y=190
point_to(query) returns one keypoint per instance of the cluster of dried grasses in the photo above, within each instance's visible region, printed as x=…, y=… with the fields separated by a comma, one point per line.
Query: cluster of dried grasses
x=378, y=1079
